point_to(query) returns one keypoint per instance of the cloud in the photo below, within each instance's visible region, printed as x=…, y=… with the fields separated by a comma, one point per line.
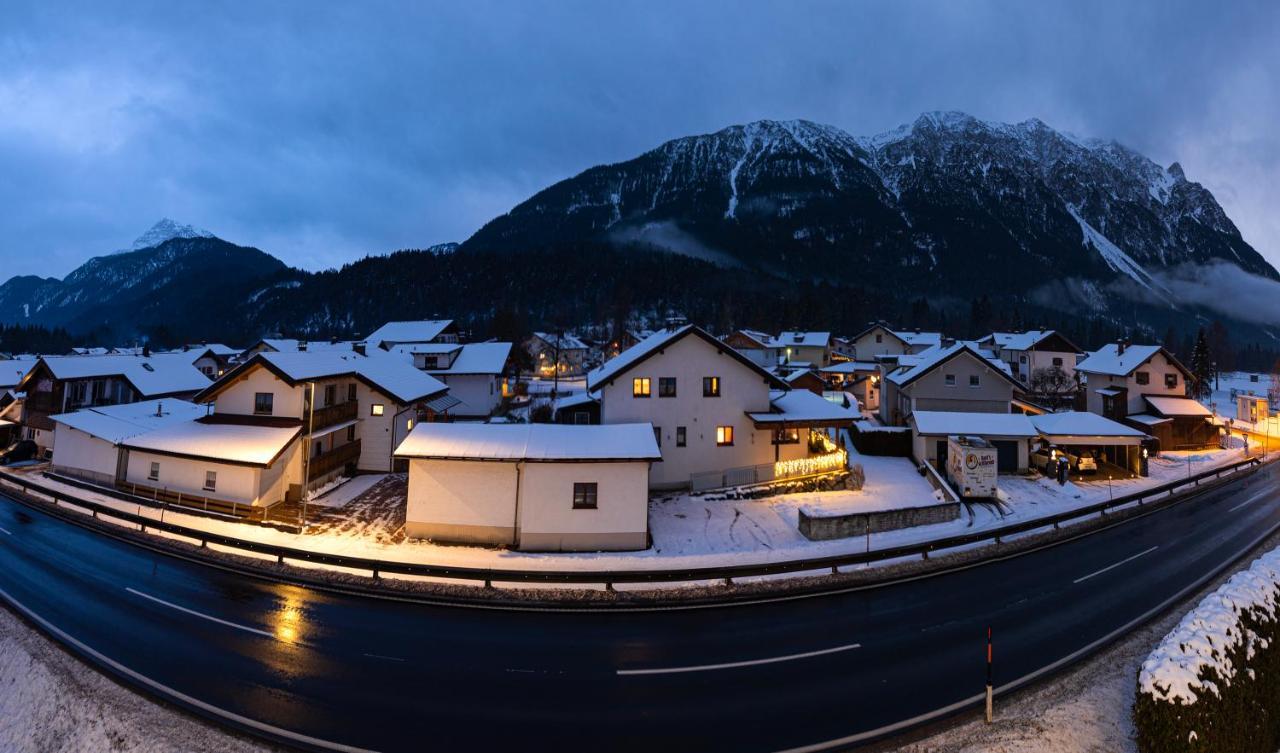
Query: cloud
x=1225, y=288
x=668, y=236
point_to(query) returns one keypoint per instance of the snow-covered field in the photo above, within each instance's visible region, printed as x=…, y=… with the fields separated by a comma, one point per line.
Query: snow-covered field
x=1240, y=381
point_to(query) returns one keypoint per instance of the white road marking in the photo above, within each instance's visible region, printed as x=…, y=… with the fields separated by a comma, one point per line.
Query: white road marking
x=735, y=664
x=380, y=656
x=5, y=531
x=1250, y=500
x=201, y=615
x=1118, y=564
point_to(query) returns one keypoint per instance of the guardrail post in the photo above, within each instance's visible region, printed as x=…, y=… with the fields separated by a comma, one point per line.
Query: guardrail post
x=375, y=575
x=279, y=559
x=925, y=554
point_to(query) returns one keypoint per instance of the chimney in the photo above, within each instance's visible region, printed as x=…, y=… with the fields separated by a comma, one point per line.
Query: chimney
x=359, y=348
x=159, y=409
x=1121, y=344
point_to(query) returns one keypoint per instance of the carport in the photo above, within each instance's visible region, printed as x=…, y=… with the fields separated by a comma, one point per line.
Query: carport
x=1111, y=442
x=1009, y=433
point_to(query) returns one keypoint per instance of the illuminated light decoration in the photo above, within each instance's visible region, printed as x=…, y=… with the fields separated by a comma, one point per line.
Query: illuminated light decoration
x=826, y=463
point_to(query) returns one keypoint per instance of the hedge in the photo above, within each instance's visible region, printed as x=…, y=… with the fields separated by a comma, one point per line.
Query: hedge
x=881, y=440
x=1213, y=683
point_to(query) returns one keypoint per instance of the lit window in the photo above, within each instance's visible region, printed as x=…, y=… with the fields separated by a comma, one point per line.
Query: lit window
x=640, y=387
x=949, y=380
x=786, y=436
x=376, y=409
x=711, y=386
x=724, y=436
x=210, y=480
x=154, y=475
x=263, y=403
x=408, y=425
x=584, y=495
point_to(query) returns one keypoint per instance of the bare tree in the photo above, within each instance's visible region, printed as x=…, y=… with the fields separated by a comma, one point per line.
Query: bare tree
x=1053, y=386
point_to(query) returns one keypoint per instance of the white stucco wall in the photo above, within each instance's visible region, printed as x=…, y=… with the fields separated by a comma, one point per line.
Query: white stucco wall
x=462, y=501
x=236, y=483
x=239, y=397
x=548, y=520
x=866, y=347
x=379, y=435
x=479, y=393
x=80, y=452
x=689, y=360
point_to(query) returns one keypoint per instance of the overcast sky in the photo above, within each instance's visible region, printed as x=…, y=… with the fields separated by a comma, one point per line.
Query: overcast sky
x=324, y=131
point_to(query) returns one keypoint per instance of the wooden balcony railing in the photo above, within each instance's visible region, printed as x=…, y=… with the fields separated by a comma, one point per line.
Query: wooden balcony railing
x=322, y=418
x=332, y=460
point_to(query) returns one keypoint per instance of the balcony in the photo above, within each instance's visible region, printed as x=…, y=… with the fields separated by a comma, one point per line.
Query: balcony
x=327, y=462
x=323, y=418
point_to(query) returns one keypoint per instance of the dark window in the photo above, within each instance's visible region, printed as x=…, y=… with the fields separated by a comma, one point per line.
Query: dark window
x=786, y=436
x=975, y=380
x=666, y=386
x=1143, y=377
x=879, y=338
x=1171, y=380
x=351, y=433
x=1057, y=362
x=584, y=495
x=724, y=436
x=351, y=392
x=711, y=386
x=581, y=417
x=318, y=450
x=330, y=394
x=1022, y=359
x=263, y=403
x=640, y=387
x=680, y=436
x=210, y=480
x=154, y=475
x=949, y=380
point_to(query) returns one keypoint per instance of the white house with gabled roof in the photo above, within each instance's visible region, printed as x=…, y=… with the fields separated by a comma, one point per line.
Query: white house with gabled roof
x=880, y=340
x=473, y=372
x=88, y=440
x=1031, y=351
x=718, y=416
x=813, y=348
x=416, y=332
x=958, y=377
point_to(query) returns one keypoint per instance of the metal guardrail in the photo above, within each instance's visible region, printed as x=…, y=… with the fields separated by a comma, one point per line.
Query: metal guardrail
x=609, y=577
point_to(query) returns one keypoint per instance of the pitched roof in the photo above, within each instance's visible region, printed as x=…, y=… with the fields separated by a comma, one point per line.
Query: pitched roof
x=152, y=376
x=796, y=339
x=384, y=372
x=916, y=366
x=478, y=358
x=116, y=423
x=919, y=338
x=1176, y=406
x=1082, y=424
x=1023, y=340
x=1109, y=360
x=288, y=345
x=235, y=443
x=567, y=341
x=639, y=352
x=420, y=331
x=803, y=406
x=530, y=442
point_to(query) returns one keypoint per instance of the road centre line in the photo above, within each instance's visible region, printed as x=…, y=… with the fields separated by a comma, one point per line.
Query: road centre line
x=1118, y=564
x=201, y=615
x=1251, y=500
x=736, y=664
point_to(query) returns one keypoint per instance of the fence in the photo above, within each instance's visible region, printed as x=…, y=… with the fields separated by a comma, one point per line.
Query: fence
x=609, y=577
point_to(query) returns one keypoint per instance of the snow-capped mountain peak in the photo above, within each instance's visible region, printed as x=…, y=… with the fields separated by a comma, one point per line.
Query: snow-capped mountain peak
x=164, y=230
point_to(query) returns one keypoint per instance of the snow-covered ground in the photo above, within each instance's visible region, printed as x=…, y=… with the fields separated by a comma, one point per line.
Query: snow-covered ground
x=1240, y=381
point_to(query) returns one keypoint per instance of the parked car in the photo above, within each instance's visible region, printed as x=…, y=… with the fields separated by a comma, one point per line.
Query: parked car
x=1044, y=458
x=23, y=449
x=1087, y=463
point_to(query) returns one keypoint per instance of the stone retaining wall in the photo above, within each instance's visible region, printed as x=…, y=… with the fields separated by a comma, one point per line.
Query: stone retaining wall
x=826, y=527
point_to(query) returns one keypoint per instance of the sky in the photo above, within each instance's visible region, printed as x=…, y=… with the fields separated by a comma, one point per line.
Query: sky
x=323, y=131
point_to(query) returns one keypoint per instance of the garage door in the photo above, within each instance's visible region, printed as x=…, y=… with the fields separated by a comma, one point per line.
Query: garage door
x=1006, y=456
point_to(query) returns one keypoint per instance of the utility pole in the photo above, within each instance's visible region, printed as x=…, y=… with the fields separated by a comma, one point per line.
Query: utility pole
x=555, y=380
x=306, y=457
x=990, y=711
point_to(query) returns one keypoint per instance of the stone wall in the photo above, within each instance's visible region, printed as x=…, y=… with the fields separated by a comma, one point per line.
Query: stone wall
x=826, y=527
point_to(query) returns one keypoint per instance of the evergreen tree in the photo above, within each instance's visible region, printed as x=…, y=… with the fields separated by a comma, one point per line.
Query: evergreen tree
x=1201, y=367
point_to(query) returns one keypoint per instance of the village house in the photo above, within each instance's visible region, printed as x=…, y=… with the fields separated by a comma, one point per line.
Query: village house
x=61, y=384
x=1146, y=387
x=755, y=345
x=539, y=487
x=282, y=422
x=553, y=354
x=859, y=378
x=1032, y=351
x=719, y=417
x=473, y=372
x=957, y=378
x=290, y=345
x=813, y=348
x=420, y=332
x=878, y=340
x=213, y=359
x=88, y=440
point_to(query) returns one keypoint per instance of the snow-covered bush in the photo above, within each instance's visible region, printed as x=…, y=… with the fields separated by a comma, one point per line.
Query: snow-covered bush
x=1213, y=684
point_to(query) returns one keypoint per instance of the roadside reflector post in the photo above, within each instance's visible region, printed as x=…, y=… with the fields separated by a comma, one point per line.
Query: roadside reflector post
x=989, y=709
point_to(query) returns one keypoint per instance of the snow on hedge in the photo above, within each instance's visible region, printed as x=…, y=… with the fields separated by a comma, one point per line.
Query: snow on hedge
x=1175, y=669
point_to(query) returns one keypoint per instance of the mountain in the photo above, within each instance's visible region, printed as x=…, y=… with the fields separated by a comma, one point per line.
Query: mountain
x=186, y=285
x=949, y=205
x=165, y=229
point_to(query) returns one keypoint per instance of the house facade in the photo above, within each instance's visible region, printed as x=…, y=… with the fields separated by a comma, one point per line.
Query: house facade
x=813, y=348
x=553, y=354
x=755, y=345
x=958, y=378
x=473, y=372
x=1029, y=352
x=1145, y=386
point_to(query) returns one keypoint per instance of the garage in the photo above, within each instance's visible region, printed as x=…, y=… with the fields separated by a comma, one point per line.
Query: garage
x=1006, y=455
x=1009, y=433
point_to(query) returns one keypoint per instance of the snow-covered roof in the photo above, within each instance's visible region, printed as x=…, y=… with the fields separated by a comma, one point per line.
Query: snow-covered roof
x=152, y=376
x=1082, y=424
x=1148, y=419
x=795, y=339
x=427, y=348
x=800, y=407
x=948, y=423
x=1018, y=340
x=421, y=331
x=286, y=345
x=391, y=375
x=1109, y=360
x=762, y=339
x=1177, y=406
x=570, y=400
x=530, y=442
x=657, y=341
x=217, y=348
x=850, y=367
x=566, y=341
x=241, y=444
x=12, y=370
x=478, y=358
x=914, y=366
x=911, y=337
x=116, y=423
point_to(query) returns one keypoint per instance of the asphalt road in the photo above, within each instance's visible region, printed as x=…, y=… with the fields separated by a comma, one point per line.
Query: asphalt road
x=386, y=675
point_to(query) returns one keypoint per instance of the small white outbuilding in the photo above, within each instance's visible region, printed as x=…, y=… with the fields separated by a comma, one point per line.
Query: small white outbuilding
x=88, y=441
x=540, y=487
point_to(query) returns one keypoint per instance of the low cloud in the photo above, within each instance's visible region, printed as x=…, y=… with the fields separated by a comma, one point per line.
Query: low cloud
x=1226, y=289
x=668, y=236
